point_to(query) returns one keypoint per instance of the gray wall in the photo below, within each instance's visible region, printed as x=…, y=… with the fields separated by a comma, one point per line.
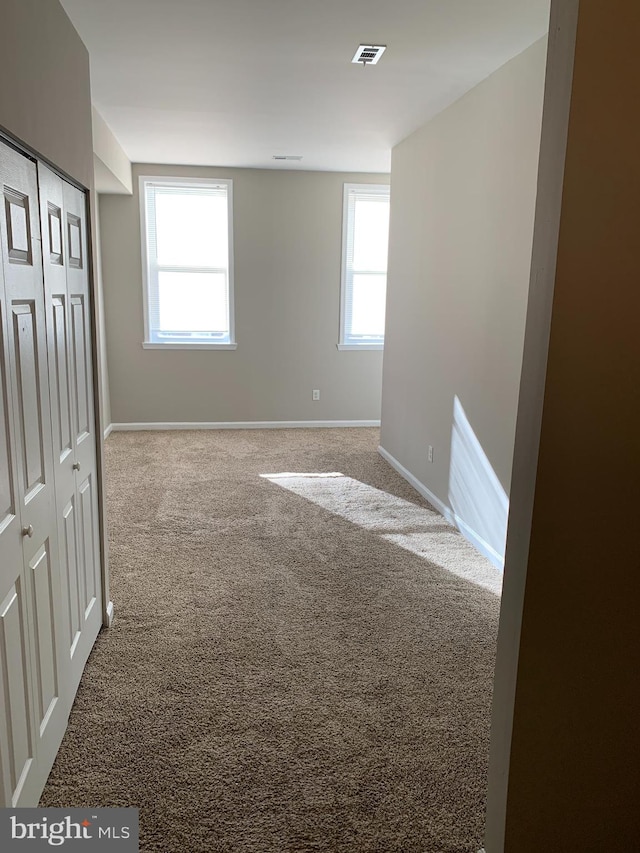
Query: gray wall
x=45, y=98
x=287, y=236
x=462, y=210
x=112, y=172
x=45, y=103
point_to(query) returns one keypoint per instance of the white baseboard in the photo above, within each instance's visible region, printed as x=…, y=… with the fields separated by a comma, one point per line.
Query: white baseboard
x=476, y=540
x=108, y=431
x=109, y=615
x=242, y=425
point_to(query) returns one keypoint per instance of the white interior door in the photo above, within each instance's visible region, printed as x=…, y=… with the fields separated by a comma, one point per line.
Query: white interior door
x=63, y=218
x=33, y=699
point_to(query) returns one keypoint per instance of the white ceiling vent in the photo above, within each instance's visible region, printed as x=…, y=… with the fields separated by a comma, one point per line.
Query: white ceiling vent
x=287, y=156
x=369, y=54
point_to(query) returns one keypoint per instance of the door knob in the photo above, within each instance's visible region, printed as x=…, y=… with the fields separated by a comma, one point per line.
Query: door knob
x=28, y=531
x=76, y=466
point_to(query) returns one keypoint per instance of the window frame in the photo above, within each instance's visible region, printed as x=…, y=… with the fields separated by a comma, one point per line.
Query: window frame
x=345, y=278
x=189, y=182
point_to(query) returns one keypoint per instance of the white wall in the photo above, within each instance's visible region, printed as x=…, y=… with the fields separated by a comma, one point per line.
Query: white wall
x=462, y=210
x=112, y=167
x=287, y=240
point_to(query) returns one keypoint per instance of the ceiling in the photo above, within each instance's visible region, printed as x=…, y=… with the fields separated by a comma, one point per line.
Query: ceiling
x=234, y=82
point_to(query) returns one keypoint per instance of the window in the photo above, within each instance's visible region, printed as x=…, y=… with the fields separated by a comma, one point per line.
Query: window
x=365, y=239
x=187, y=263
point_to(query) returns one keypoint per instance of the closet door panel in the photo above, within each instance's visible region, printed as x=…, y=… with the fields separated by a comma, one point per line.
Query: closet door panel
x=81, y=363
x=60, y=379
x=29, y=415
x=55, y=257
x=88, y=531
x=16, y=736
x=71, y=382
x=21, y=473
x=7, y=468
x=16, y=745
x=42, y=566
x=69, y=540
x=47, y=670
x=84, y=435
x=27, y=348
x=80, y=326
x=32, y=575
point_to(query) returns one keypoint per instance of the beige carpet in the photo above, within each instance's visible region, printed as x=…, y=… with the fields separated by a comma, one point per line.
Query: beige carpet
x=285, y=674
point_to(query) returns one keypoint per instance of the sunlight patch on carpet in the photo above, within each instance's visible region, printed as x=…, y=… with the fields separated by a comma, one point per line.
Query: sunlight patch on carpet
x=289, y=474
x=451, y=551
x=414, y=528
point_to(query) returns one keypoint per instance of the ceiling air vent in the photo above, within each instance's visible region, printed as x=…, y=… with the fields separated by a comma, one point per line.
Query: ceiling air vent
x=287, y=156
x=369, y=54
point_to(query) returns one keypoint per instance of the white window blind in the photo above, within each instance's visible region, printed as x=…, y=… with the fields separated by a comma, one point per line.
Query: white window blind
x=364, y=265
x=189, y=285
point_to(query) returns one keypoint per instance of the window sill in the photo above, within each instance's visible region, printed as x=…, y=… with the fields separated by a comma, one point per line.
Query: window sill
x=184, y=346
x=344, y=347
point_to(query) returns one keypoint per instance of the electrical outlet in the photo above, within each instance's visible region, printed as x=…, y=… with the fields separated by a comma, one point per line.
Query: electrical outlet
x=430, y=456
x=316, y=394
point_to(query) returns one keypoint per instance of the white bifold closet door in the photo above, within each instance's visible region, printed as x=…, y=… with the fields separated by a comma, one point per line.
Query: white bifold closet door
x=68, y=319
x=50, y=595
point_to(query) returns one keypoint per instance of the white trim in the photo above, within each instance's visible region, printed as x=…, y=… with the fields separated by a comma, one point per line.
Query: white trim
x=343, y=347
x=184, y=346
x=132, y=427
x=108, y=431
x=109, y=615
x=346, y=188
x=468, y=532
x=343, y=262
x=162, y=179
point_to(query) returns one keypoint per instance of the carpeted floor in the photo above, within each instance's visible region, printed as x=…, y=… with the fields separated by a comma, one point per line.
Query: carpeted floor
x=286, y=671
